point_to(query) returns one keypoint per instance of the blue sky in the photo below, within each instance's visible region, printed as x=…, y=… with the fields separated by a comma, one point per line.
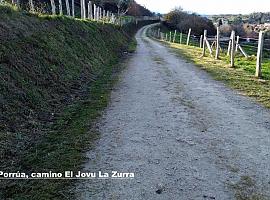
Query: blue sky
x=209, y=6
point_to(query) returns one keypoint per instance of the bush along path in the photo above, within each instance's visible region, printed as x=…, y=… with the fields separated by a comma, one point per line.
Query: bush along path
x=56, y=76
x=182, y=134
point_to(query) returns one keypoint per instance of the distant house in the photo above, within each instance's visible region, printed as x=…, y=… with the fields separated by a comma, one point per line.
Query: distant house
x=261, y=27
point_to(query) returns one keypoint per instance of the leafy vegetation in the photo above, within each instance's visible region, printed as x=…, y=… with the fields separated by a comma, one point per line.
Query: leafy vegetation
x=182, y=21
x=121, y=7
x=129, y=7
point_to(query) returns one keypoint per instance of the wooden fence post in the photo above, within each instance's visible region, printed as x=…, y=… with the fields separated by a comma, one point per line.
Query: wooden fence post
x=242, y=51
x=259, y=56
x=230, y=45
x=68, y=7
x=95, y=12
x=90, y=10
x=108, y=16
x=166, y=36
x=73, y=8
x=113, y=18
x=100, y=13
x=97, y=15
x=60, y=7
x=204, y=42
x=159, y=36
x=181, y=37
x=170, y=36
x=217, y=44
x=188, y=38
x=237, y=43
x=83, y=13
x=104, y=15
x=174, y=36
x=53, y=7
x=209, y=47
x=232, y=48
x=201, y=41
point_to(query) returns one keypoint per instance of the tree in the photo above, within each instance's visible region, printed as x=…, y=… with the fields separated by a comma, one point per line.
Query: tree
x=123, y=6
x=237, y=20
x=138, y=10
x=220, y=23
x=181, y=20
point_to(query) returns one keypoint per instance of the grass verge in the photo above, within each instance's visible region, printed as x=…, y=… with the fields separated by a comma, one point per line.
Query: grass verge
x=241, y=77
x=56, y=76
x=62, y=149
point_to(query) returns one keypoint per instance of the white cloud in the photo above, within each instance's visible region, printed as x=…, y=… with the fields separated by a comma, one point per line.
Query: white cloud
x=209, y=6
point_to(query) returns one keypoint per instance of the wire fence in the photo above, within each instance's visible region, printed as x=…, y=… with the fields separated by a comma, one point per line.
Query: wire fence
x=257, y=48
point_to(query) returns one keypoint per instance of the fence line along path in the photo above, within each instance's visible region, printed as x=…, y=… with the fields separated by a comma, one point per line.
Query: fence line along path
x=233, y=45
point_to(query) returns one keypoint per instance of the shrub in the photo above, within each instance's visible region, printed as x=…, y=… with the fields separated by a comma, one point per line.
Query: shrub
x=181, y=20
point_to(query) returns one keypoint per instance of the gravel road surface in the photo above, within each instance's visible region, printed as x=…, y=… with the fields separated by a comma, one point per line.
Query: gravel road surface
x=183, y=134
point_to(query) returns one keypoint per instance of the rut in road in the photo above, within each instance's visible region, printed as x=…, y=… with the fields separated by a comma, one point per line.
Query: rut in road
x=184, y=135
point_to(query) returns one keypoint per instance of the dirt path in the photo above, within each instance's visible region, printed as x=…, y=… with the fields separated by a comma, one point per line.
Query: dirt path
x=183, y=134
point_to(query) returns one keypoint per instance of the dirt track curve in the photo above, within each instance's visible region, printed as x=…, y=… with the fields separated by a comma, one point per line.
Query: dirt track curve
x=184, y=135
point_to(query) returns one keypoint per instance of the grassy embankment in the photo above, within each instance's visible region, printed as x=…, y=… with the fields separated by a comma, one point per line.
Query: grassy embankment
x=56, y=74
x=241, y=77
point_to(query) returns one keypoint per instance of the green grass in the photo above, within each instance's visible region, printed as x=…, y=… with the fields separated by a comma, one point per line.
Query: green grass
x=240, y=78
x=133, y=46
x=63, y=147
x=56, y=77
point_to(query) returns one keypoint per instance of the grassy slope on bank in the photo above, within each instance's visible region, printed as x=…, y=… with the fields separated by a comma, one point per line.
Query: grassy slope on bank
x=241, y=77
x=56, y=75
